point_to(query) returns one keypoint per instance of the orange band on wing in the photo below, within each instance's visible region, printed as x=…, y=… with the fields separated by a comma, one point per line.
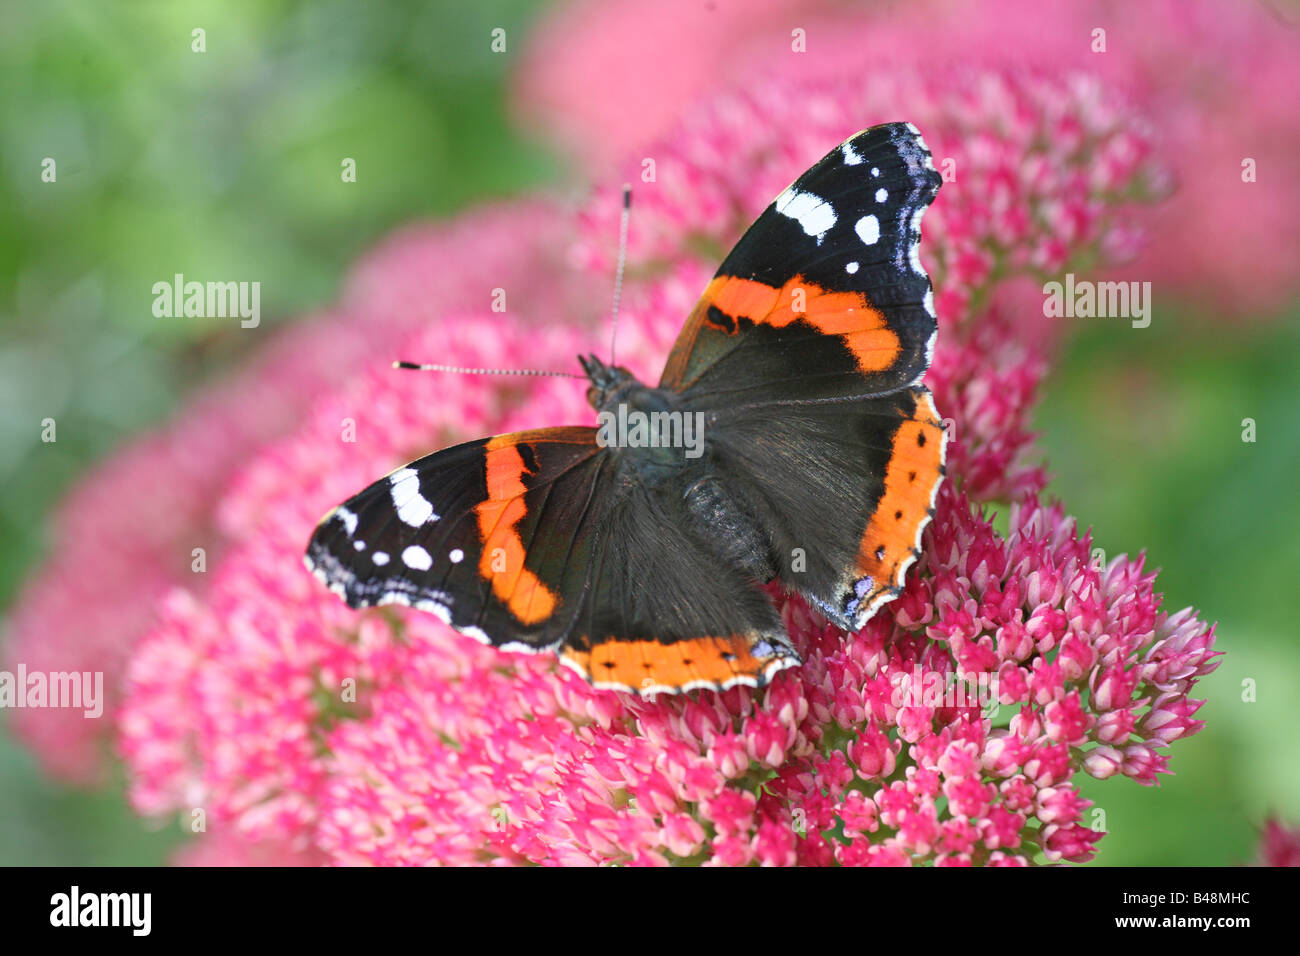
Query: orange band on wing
x=914, y=472
x=527, y=598
x=849, y=315
x=697, y=662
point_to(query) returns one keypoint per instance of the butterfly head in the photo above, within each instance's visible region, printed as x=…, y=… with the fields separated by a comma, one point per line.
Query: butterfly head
x=606, y=380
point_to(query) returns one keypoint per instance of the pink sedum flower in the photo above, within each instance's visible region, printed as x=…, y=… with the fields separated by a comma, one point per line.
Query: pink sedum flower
x=225, y=851
x=457, y=753
x=138, y=517
x=1213, y=77
x=1279, y=845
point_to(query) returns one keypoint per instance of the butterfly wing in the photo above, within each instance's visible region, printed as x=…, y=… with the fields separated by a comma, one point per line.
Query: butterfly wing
x=844, y=491
x=664, y=614
x=542, y=541
x=806, y=351
x=824, y=296
x=468, y=533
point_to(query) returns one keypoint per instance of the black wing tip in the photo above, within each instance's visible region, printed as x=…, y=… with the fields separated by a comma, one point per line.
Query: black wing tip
x=906, y=139
x=916, y=153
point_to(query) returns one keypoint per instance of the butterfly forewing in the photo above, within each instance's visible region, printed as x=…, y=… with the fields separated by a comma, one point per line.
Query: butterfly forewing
x=487, y=535
x=540, y=540
x=824, y=295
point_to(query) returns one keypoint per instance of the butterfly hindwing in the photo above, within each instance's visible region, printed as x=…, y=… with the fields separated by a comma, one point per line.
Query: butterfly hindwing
x=666, y=611
x=843, y=489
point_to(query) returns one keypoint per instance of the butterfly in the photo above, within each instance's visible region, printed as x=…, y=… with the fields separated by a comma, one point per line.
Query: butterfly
x=789, y=439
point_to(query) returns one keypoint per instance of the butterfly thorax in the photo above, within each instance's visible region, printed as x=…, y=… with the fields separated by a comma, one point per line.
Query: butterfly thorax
x=669, y=457
x=647, y=429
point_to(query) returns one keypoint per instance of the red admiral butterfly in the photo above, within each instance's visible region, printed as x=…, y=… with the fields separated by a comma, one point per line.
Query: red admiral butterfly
x=642, y=562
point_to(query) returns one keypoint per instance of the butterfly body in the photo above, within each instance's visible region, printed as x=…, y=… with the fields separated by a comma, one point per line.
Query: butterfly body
x=787, y=440
x=662, y=440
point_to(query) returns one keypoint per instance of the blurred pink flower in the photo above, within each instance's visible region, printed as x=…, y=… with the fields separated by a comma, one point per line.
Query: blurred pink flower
x=950, y=730
x=1279, y=845
x=223, y=849
x=456, y=753
x=1047, y=171
x=1216, y=78
x=1050, y=173
x=136, y=518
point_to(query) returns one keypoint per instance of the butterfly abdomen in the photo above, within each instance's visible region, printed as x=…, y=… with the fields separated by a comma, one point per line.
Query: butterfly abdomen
x=729, y=529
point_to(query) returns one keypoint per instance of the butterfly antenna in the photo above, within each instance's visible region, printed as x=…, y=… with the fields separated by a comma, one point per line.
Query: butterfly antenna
x=622, y=261
x=613, y=336
x=428, y=367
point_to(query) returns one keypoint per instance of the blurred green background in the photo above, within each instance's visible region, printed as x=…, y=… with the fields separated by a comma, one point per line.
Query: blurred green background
x=228, y=164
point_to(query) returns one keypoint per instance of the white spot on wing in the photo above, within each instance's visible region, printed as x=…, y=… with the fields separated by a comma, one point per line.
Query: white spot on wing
x=851, y=268
x=814, y=214
x=380, y=557
x=416, y=558
x=882, y=194
x=519, y=647
x=411, y=506
x=348, y=518
x=868, y=229
x=456, y=556
x=850, y=157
